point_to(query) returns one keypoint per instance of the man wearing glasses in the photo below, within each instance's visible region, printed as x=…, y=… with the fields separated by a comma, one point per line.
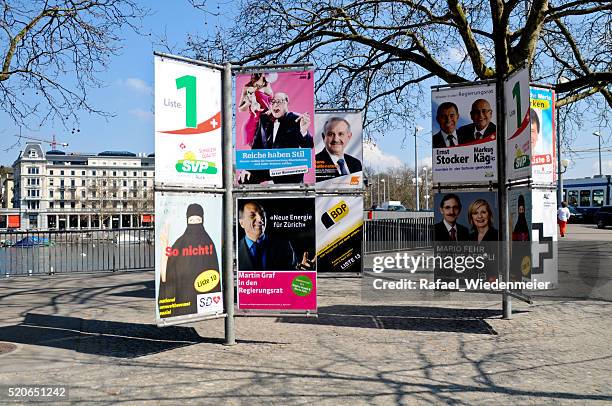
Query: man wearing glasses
x=482, y=127
x=280, y=128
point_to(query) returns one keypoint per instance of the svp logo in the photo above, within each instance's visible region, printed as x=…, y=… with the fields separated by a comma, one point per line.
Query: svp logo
x=335, y=214
x=189, y=164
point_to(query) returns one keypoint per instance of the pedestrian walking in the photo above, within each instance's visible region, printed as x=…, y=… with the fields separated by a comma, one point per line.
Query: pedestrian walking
x=563, y=215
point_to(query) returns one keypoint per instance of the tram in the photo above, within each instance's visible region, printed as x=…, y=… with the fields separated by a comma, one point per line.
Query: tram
x=587, y=195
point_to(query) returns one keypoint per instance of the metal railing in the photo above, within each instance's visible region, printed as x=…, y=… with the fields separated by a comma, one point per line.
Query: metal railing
x=397, y=234
x=63, y=251
x=49, y=252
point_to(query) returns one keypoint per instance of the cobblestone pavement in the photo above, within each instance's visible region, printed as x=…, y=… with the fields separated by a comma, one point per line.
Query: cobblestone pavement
x=95, y=333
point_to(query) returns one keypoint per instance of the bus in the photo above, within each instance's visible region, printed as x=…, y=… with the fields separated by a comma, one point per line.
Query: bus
x=587, y=195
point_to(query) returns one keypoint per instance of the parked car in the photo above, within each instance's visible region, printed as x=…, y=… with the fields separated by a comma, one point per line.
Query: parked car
x=576, y=216
x=603, y=217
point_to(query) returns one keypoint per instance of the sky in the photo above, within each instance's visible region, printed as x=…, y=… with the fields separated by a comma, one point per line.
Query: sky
x=128, y=95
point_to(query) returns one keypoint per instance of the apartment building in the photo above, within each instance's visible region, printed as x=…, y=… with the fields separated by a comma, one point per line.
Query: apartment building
x=60, y=190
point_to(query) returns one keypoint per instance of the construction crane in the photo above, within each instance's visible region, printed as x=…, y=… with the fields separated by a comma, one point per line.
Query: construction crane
x=54, y=143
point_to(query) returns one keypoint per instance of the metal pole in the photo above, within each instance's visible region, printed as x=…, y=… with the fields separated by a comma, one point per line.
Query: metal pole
x=228, y=206
x=416, y=171
x=502, y=195
x=599, y=147
x=559, y=173
x=426, y=190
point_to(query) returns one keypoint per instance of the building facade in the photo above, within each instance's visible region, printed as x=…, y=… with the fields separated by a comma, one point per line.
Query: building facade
x=58, y=190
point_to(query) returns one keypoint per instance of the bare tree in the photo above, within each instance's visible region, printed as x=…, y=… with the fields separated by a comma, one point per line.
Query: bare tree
x=380, y=55
x=141, y=202
x=52, y=51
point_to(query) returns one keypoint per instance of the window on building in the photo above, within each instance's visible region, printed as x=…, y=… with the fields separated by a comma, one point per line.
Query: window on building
x=33, y=170
x=125, y=205
x=71, y=173
x=103, y=173
x=50, y=181
x=135, y=173
x=83, y=173
x=83, y=193
x=144, y=174
x=585, y=198
x=61, y=205
x=51, y=172
x=50, y=205
x=124, y=194
x=51, y=194
x=32, y=153
x=135, y=183
x=93, y=173
x=114, y=173
x=124, y=173
x=125, y=183
x=72, y=205
x=104, y=183
x=82, y=182
x=598, y=197
x=72, y=182
x=62, y=173
x=144, y=183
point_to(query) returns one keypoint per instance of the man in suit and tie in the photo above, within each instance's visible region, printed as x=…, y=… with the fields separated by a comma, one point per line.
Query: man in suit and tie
x=332, y=162
x=257, y=251
x=280, y=128
x=447, y=117
x=448, y=229
x=482, y=127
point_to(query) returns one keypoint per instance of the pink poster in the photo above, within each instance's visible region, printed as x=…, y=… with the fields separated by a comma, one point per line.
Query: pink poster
x=275, y=127
x=280, y=290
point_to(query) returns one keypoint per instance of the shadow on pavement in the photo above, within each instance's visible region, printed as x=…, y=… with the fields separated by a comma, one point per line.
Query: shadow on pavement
x=106, y=338
x=413, y=318
x=146, y=290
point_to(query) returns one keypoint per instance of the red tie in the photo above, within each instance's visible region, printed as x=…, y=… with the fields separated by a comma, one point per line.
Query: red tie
x=453, y=234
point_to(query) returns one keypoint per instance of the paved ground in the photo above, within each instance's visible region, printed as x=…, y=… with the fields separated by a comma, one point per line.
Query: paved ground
x=95, y=333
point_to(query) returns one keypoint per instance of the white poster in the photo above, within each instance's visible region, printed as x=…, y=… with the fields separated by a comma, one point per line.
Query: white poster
x=339, y=151
x=518, y=140
x=544, y=237
x=188, y=273
x=464, y=136
x=187, y=124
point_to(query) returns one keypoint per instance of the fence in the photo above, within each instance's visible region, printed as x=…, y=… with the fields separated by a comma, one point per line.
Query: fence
x=397, y=234
x=48, y=252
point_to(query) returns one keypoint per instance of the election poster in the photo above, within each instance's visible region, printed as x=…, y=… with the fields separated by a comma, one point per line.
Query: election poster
x=187, y=124
x=339, y=151
x=518, y=140
x=464, y=136
x=339, y=233
x=519, y=223
x=276, y=250
x=544, y=265
x=533, y=249
x=543, y=151
x=466, y=237
x=188, y=274
x=275, y=128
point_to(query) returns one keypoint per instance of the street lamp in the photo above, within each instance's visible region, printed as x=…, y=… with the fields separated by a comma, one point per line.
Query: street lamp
x=563, y=167
x=426, y=189
x=416, y=166
x=562, y=79
x=598, y=135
